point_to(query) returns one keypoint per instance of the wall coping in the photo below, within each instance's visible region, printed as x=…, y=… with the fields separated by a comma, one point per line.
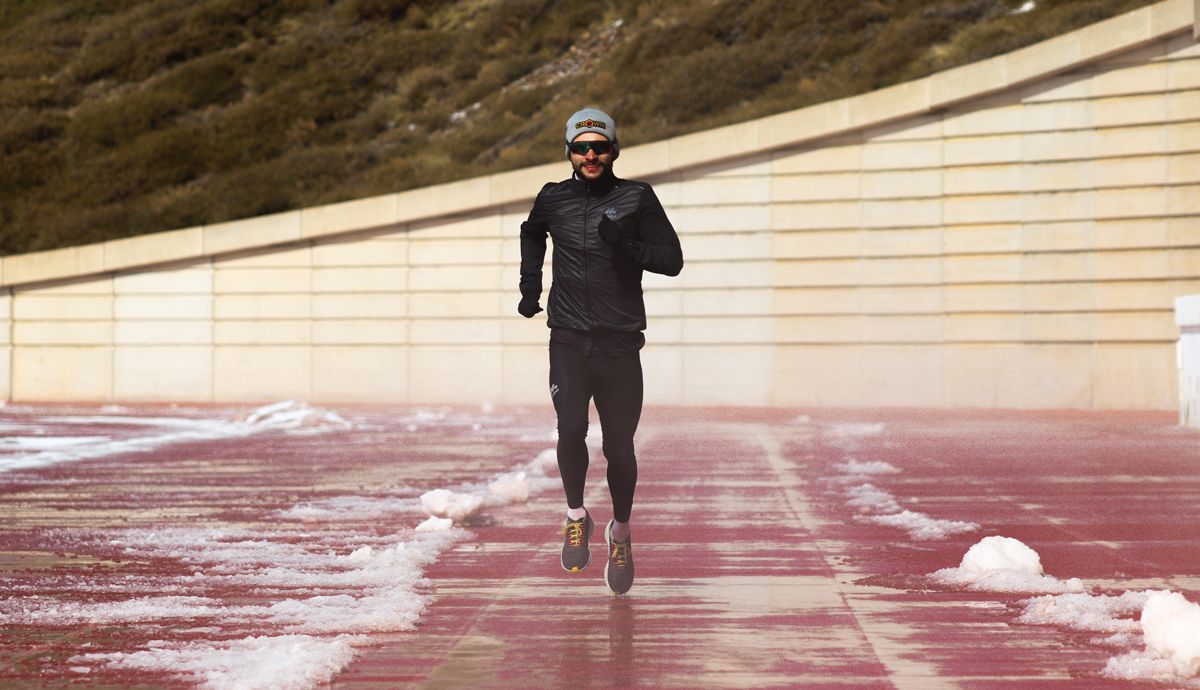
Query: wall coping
x=935, y=92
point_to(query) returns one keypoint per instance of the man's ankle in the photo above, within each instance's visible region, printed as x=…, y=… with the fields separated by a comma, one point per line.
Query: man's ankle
x=619, y=531
x=576, y=513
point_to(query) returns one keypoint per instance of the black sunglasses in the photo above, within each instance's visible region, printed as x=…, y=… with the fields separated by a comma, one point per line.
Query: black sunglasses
x=580, y=148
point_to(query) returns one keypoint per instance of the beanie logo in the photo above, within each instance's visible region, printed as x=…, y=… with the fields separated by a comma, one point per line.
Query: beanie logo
x=590, y=123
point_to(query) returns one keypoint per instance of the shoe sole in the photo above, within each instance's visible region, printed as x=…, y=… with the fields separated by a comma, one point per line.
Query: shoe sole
x=587, y=535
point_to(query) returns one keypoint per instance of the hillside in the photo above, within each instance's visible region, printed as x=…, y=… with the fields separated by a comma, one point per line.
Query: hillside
x=119, y=118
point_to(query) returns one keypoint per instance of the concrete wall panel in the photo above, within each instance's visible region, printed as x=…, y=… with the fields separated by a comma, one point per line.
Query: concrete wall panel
x=262, y=373
x=360, y=373
x=455, y=373
x=193, y=280
x=526, y=375
x=715, y=382
x=165, y=306
x=175, y=332
x=153, y=373
x=62, y=372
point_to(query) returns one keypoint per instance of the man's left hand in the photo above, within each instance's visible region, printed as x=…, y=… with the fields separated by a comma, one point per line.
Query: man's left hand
x=610, y=230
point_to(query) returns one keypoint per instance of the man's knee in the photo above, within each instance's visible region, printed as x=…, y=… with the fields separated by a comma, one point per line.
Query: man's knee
x=618, y=449
x=572, y=432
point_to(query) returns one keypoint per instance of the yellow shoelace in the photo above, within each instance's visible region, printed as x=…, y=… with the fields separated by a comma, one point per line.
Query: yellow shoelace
x=620, y=554
x=574, y=532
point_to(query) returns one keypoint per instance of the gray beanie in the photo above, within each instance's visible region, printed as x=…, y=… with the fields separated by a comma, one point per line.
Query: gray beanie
x=591, y=120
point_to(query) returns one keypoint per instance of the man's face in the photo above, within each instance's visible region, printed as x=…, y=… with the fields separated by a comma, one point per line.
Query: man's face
x=591, y=166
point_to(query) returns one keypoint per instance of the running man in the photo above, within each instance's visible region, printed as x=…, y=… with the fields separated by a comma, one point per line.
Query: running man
x=606, y=231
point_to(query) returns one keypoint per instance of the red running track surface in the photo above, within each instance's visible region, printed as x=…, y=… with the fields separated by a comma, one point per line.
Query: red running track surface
x=753, y=568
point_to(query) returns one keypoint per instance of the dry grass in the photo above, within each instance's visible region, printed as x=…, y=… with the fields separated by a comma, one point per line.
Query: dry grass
x=120, y=117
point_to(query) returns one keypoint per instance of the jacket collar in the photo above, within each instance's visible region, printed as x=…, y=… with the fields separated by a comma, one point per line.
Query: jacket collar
x=600, y=187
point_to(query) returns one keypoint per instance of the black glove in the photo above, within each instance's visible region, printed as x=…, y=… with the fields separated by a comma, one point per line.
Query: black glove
x=528, y=307
x=621, y=235
x=610, y=230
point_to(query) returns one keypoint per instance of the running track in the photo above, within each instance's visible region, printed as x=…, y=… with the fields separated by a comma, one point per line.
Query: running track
x=753, y=569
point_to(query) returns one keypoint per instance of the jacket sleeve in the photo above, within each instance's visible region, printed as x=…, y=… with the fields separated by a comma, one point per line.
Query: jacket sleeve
x=533, y=251
x=656, y=247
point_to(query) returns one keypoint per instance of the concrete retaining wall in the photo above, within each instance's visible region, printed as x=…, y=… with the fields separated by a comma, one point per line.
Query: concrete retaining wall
x=1008, y=234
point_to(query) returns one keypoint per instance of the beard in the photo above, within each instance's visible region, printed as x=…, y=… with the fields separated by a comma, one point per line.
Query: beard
x=581, y=170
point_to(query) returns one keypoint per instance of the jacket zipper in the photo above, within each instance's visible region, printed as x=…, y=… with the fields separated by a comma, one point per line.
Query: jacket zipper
x=587, y=297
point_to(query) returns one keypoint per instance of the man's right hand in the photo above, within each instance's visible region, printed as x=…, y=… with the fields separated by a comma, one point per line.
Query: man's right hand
x=528, y=307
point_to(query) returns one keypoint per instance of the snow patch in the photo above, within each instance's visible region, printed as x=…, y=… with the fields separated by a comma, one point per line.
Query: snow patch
x=881, y=508
x=1003, y=564
x=282, y=662
x=350, y=507
x=920, y=526
x=33, y=451
x=515, y=486
x=313, y=592
x=296, y=417
x=435, y=524
x=856, y=467
x=869, y=498
x=1099, y=613
x=854, y=429
x=445, y=503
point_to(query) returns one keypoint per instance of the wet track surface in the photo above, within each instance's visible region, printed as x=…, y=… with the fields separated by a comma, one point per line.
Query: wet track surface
x=756, y=565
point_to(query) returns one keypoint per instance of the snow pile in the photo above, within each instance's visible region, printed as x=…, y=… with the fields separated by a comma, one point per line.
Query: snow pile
x=254, y=663
x=435, y=524
x=1171, y=628
x=513, y=487
x=1003, y=564
x=456, y=506
x=506, y=488
x=545, y=462
x=1165, y=625
x=1171, y=625
x=881, y=508
x=1099, y=613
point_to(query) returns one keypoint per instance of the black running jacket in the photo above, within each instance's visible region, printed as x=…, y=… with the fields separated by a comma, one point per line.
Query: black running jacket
x=597, y=286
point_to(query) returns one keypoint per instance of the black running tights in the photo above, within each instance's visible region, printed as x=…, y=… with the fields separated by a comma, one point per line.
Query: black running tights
x=616, y=384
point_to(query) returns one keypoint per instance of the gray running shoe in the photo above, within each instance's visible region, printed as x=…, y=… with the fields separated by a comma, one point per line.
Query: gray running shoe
x=576, y=533
x=618, y=572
